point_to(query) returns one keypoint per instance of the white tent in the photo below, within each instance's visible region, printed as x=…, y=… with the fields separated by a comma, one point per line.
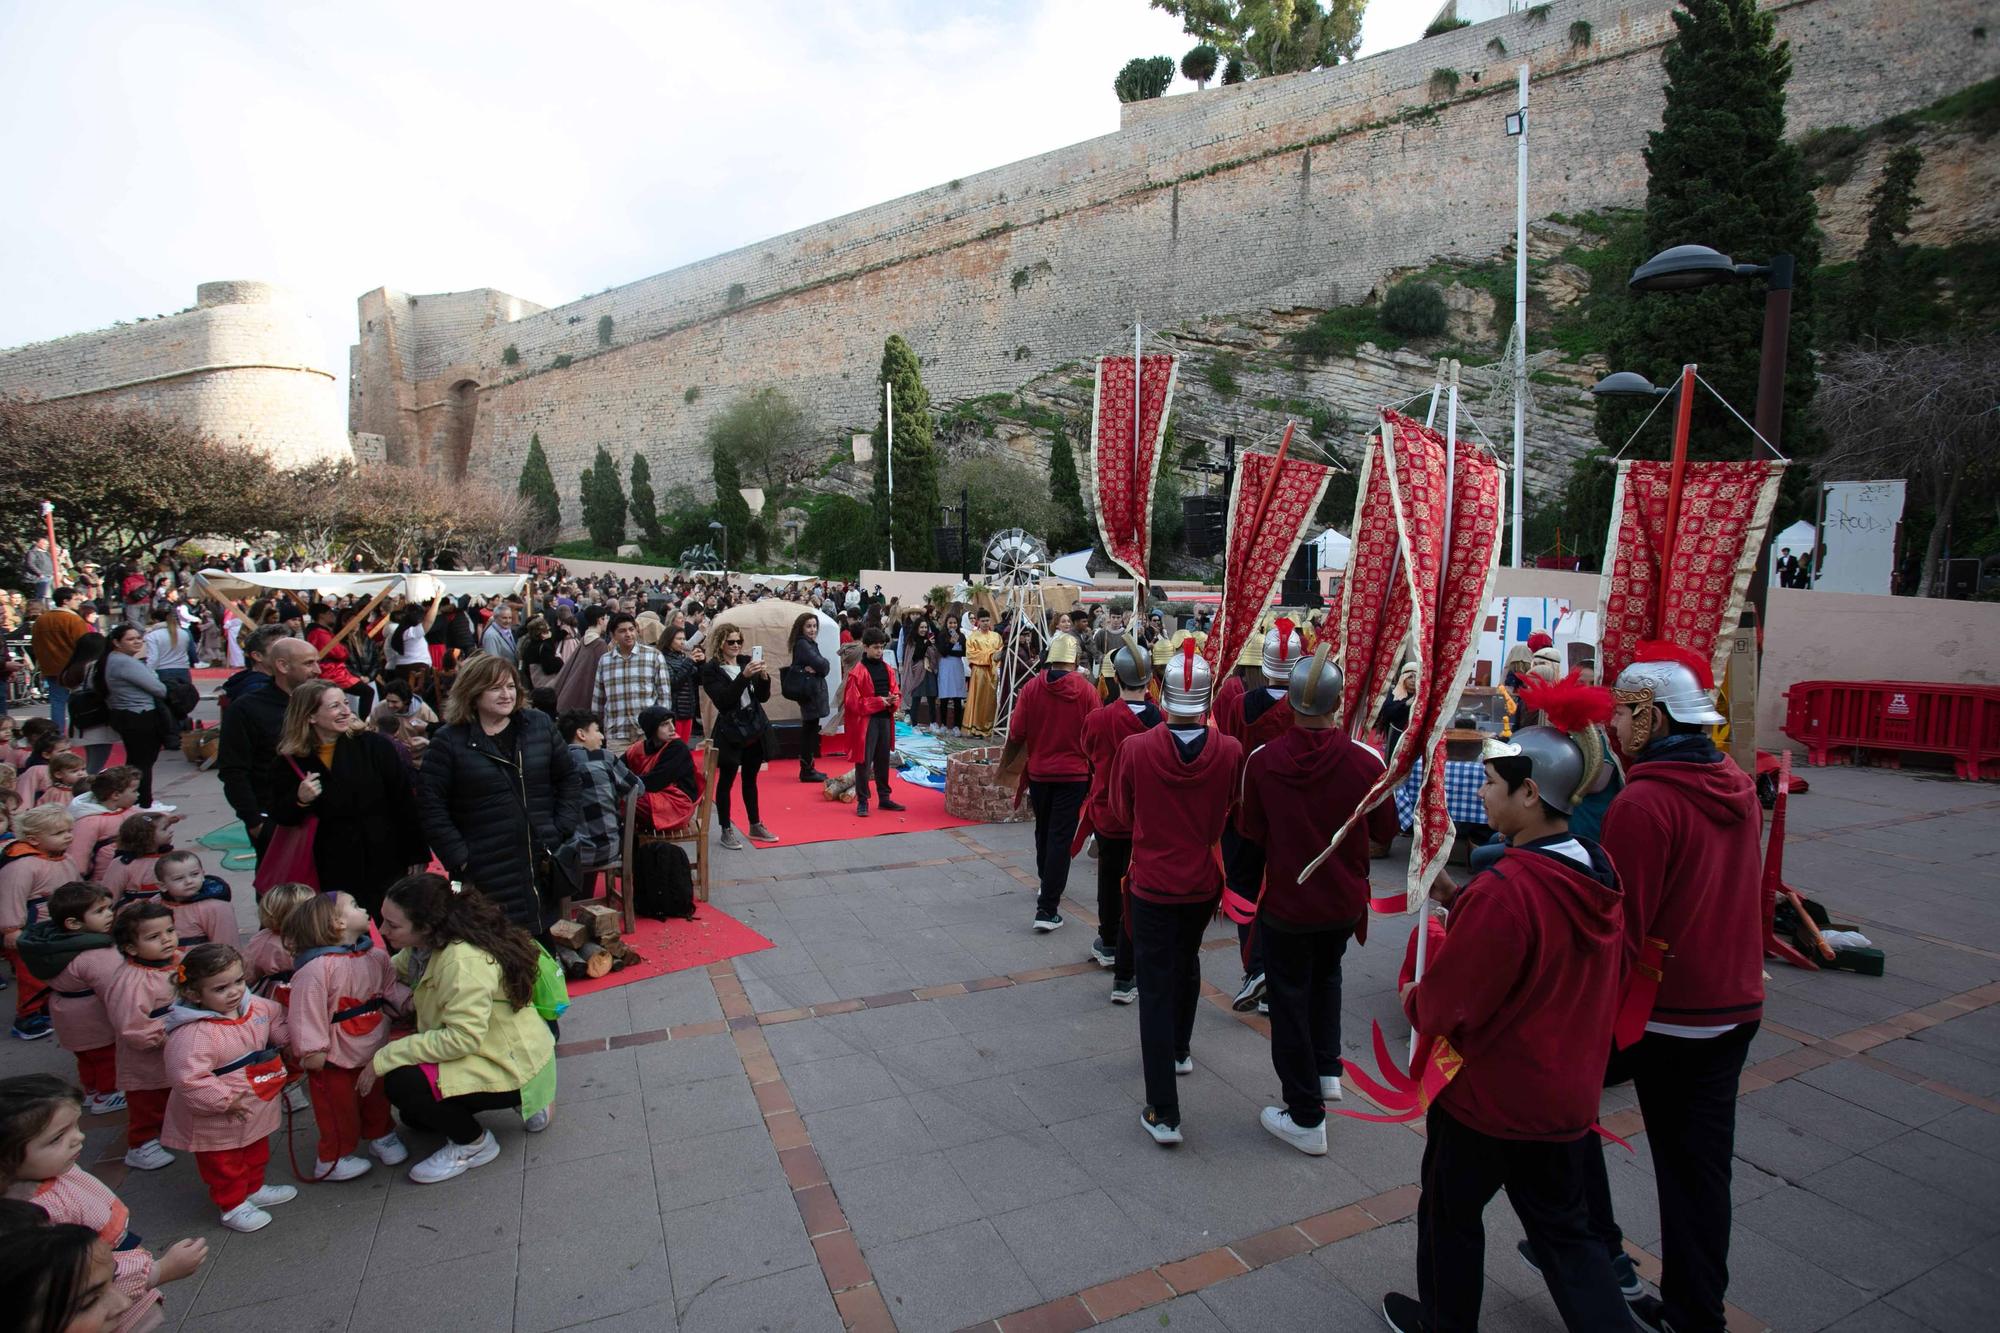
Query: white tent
x=414, y=587
x=1333, y=549
x=1800, y=537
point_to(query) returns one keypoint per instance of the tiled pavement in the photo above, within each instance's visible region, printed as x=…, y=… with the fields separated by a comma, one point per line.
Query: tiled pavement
x=912, y=1112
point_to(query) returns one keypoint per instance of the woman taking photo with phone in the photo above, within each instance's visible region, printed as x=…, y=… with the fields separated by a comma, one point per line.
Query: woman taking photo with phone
x=739, y=685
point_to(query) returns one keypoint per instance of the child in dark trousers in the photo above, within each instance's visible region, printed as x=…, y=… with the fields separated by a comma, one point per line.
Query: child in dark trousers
x=869, y=710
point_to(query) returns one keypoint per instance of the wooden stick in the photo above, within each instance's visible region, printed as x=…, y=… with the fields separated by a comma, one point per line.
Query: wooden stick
x=359, y=616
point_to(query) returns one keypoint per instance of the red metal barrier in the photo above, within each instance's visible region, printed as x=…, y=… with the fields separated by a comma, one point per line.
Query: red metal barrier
x=1837, y=720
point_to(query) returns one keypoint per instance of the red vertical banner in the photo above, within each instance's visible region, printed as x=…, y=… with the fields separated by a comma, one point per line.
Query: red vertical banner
x=1125, y=456
x=1719, y=530
x=1258, y=551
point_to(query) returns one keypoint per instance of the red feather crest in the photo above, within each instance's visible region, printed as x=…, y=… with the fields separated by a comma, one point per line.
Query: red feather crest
x=1187, y=662
x=1659, y=650
x=1569, y=704
x=1285, y=629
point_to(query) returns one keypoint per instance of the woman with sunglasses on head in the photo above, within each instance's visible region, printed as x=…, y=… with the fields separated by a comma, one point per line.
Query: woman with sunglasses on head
x=739, y=685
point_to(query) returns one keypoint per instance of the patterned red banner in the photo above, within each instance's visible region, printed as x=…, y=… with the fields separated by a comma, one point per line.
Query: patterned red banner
x=1124, y=461
x=1718, y=532
x=1259, y=552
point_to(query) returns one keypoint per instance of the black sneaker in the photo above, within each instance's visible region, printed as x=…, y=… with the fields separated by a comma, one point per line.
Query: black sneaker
x=1404, y=1314
x=1164, y=1133
x=33, y=1027
x=886, y=804
x=1649, y=1313
x=1124, y=992
x=812, y=775
x=1103, y=954
x=1630, y=1286
x=861, y=809
x=1250, y=995
x=1047, y=921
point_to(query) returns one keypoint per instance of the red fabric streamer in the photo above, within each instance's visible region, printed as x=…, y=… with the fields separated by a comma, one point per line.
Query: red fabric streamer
x=1122, y=467
x=1257, y=560
x=1724, y=510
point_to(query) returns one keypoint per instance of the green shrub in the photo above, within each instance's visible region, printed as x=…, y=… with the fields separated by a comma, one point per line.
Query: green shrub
x=1232, y=72
x=1443, y=84
x=1579, y=34
x=1497, y=48
x=1442, y=26
x=604, y=330
x=1536, y=14
x=1222, y=373
x=735, y=295
x=1144, y=78
x=692, y=392
x=511, y=356
x=1832, y=153
x=1337, y=332
x=1200, y=63
x=562, y=361
x=1414, y=310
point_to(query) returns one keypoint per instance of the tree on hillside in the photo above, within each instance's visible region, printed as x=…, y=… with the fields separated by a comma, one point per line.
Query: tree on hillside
x=730, y=506
x=915, y=510
x=1878, y=268
x=603, y=502
x=1071, y=523
x=1199, y=65
x=1721, y=173
x=765, y=433
x=537, y=489
x=1273, y=36
x=1144, y=78
x=644, y=513
x=999, y=494
x=841, y=537
x=1921, y=410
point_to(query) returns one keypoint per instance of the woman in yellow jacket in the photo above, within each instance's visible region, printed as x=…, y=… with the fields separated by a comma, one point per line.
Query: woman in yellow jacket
x=480, y=1044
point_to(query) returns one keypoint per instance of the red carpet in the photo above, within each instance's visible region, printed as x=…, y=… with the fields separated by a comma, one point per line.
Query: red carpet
x=675, y=946
x=798, y=812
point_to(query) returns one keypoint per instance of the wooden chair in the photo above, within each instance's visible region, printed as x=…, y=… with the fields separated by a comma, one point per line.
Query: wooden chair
x=695, y=831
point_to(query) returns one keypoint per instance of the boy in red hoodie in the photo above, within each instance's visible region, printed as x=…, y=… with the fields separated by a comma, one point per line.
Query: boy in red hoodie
x=1685, y=833
x=1256, y=717
x=1108, y=728
x=1048, y=723
x=1298, y=791
x=1522, y=989
x=1173, y=786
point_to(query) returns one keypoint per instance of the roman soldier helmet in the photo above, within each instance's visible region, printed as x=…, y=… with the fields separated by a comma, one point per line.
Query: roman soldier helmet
x=1316, y=684
x=1187, y=682
x=1672, y=677
x=1566, y=755
x=1283, y=647
x=1130, y=664
x=1062, y=649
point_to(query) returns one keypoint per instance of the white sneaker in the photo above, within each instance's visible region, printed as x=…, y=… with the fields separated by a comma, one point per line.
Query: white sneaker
x=1163, y=1133
x=272, y=1195
x=539, y=1121
x=455, y=1160
x=246, y=1216
x=1184, y=1065
x=345, y=1168
x=1311, y=1142
x=104, y=1103
x=1329, y=1087
x=388, y=1150
x=148, y=1156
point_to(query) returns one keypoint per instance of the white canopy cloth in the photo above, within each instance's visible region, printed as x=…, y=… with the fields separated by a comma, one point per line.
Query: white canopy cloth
x=414, y=587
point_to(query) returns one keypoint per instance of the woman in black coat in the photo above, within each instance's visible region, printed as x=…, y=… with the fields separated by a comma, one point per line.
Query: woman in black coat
x=683, y=679
x=738, y=687
x=809, y=670
x=498, y=792
x=354, y=784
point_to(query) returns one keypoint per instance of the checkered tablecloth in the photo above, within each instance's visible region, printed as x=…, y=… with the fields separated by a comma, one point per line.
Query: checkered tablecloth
x=1461, y=792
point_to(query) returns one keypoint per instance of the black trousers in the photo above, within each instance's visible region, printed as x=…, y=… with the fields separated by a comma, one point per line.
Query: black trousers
x=1463, y=1169
x=1057, y=806
x=1243, y=871
x=1166, y=947
x=729, y=762
x=1687, y=1092
x=1114, y=858
x=877, y=741
x=141, y=734
x=1302, y=986
x=457, y=1118
x=363, y=695
x=808, y=745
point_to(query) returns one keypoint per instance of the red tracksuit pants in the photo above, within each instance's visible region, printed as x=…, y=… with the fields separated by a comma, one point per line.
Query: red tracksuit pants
x=345, y=1116
x=145, y=1113
x=31, y=993
x=233, y=1174
x=97, y=1070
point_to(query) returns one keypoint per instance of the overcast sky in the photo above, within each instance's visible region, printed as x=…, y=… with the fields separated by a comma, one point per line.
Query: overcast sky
x=549, y=149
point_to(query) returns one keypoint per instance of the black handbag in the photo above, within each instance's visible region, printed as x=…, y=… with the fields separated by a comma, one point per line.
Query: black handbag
x=795, y=683
x=182, y=698
x=88, y=706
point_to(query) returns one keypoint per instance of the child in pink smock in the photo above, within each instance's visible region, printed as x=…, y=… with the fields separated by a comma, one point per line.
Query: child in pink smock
x=136, y=1001
x=343, y=992
x=72, y=951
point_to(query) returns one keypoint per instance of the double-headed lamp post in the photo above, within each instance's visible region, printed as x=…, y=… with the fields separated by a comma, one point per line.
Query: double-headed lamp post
x=722, y=533
x=1687, y=268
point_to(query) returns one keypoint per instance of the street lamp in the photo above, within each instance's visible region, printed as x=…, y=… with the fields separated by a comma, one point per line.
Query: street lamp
x=715, y=526
x=1686, y=268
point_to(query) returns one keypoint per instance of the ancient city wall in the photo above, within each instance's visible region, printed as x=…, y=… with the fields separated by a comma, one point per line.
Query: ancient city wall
x=242, y=364
x=1296, y=191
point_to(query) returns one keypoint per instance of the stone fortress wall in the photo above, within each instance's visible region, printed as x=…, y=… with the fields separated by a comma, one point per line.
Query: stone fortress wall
x=1300, y=191
x=242, y=364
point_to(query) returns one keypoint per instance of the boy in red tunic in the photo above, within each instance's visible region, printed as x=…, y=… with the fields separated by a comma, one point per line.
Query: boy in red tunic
x=1523, y=989
x=1129, y=714
x=1173, y=786
x=1048, y=723
x=1685, y=833
x=1256, y=717
x=1298, y=791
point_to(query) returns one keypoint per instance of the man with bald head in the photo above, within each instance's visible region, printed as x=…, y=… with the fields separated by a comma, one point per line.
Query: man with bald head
x=251, y=725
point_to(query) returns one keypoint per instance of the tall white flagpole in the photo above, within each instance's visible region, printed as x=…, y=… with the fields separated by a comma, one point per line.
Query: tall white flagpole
x=1520, y=310
x=889, y=447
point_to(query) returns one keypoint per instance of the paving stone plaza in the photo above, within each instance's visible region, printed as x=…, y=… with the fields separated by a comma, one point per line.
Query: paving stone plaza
x=912, y=1112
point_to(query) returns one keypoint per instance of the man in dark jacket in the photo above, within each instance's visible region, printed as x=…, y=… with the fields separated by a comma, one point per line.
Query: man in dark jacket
x=1685, y=833
x=252, y=724
x=1521, y=991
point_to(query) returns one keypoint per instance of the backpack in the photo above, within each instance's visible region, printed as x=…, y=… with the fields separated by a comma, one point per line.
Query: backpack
x=662, y=884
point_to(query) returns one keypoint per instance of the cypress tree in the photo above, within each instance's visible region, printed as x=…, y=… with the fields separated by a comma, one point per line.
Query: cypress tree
x=730, y=506
x=1066, y=490
x=1721, y=173
x=604, y=502
x=645, y=512
x=1878, y=268
x=916, y=507
x=538, y=488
